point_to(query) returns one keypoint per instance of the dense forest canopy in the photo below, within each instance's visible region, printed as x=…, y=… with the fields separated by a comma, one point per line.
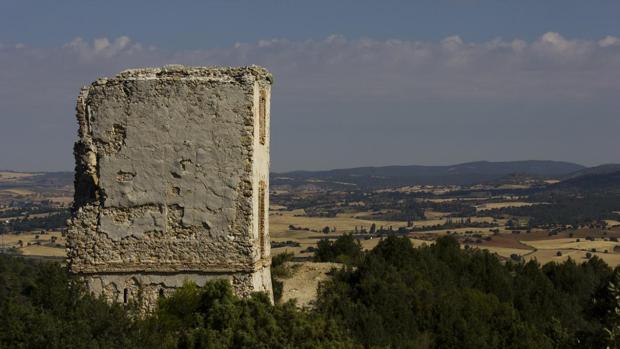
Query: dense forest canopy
x=395, y=296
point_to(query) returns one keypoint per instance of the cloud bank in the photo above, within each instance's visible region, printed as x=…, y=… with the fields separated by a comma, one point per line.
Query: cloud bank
x=341, y=90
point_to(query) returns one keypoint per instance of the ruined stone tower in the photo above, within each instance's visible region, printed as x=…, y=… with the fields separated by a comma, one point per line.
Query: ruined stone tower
x=171, y=183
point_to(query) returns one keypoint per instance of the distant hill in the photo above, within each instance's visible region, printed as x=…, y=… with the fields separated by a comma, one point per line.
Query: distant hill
x=12, y=179
x=599, y=179
x=600, y=170
x=462, y=174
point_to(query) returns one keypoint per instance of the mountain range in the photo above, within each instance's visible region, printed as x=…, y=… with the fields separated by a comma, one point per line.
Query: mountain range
x=469, y=173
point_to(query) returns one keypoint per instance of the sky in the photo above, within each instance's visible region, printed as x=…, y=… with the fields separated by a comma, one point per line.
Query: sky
x=357, y=83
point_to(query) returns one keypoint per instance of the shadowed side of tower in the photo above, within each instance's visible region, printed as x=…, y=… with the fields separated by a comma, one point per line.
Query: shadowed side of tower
x=171, y=183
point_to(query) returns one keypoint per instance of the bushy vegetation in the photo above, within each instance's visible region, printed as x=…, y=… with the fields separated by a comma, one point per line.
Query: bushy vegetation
x=212, y=317
x=564, y=209
x=41, y=306
x=17, y=209
x=395, y=296
x=444, y=297
x=279, y=270
x=53, y=221
x=408, y=210
x=344, y=249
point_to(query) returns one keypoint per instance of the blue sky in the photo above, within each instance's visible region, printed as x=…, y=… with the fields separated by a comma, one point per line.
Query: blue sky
x=206, y=24
x=357, y=82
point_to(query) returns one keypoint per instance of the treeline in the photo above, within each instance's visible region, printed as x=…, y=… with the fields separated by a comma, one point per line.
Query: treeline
x=443, y=297
x=380, y=231
x=564, y=210
x=450, y=224
x=395, y=296
x=52, y=222
x=407, y=211
x=30, y=208
x=42, y=306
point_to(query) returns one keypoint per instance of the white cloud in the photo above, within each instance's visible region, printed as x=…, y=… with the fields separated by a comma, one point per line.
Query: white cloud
x=556, y=41
x=38, y=86
x=551, y=67
x=452, y=43
x=102, y=47
x=609, y=41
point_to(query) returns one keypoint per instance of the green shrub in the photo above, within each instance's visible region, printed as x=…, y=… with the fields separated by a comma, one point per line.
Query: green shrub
x=395, y=296
x=345, y=249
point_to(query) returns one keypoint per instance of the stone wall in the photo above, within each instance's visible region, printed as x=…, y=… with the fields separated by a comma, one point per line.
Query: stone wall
x=169, y=165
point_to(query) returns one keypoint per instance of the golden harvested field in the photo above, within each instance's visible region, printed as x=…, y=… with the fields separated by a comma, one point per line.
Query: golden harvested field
x=13, y=176
x=29, y=237
x=279, y=224
x=280, y=221
x=550, y=255
x=18, y=191
x=458, y=231
x=344, y=223
x=494, y=205
x=438, y=190
x=538, y=245
x=454, y=199
x=67, y=200
x=506, y=251
x=47, y=251
x=612, y=223
x=514, y=186
x=563, y=244
x=435, y=215
x=545, y=256
x=42, y=246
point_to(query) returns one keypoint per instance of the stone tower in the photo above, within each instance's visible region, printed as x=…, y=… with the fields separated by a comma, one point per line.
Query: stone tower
x=171, y=181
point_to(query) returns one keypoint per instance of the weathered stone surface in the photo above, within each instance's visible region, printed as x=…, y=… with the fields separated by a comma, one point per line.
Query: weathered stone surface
x=170, y=166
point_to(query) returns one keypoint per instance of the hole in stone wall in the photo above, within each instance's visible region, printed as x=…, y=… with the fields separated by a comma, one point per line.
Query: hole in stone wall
x=125, y=296
x=161, y=292
x=185, y=163
x=124, y=176
x=262, y=117
x=261, y=217
x=114, y=140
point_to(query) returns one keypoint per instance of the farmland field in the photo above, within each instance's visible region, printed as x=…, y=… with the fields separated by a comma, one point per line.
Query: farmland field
x=479, y=216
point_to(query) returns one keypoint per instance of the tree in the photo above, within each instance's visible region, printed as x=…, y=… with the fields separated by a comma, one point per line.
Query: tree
x=612, y=328
x=399, y=296
x=373, y=228
x=42, y=306
x=345, y=249
x=213, y=317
